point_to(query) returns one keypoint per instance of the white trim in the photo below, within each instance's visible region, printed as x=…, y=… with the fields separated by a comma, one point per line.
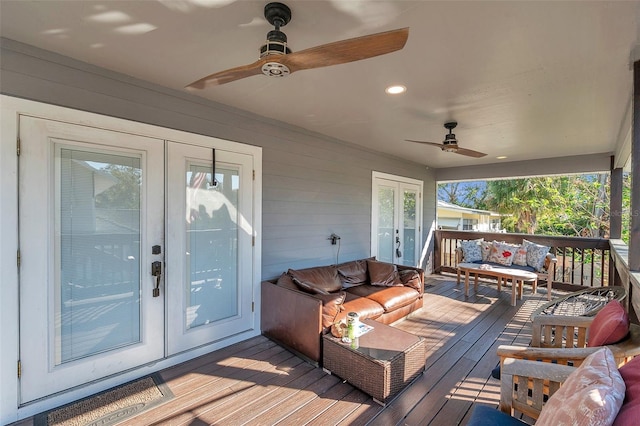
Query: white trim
x=10, y=109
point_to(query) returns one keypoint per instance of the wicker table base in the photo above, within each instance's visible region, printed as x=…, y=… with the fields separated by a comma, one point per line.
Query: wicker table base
x=381, y=362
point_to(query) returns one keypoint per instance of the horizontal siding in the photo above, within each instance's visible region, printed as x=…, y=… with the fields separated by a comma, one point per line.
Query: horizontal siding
x=313, y=185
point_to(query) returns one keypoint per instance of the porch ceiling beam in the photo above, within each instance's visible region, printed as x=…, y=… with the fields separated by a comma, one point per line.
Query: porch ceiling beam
x=519, y=169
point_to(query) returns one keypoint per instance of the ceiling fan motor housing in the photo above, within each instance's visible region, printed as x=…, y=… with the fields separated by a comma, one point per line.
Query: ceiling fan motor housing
x=278, y=15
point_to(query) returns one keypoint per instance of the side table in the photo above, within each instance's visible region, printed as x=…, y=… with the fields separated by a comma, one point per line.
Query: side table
x=380, y=363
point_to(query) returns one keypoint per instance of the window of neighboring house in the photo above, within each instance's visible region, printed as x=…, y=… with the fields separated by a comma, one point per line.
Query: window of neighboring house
x=469, y=224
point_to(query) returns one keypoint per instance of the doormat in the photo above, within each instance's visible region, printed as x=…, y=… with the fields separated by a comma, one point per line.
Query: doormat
x=111, y=406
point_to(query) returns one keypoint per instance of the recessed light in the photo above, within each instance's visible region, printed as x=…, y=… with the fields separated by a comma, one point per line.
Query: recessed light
x=502, y=157
x=395, y=90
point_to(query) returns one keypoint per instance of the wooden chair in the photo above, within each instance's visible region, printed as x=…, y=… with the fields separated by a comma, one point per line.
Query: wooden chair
x=526, y=385
x=563, y=339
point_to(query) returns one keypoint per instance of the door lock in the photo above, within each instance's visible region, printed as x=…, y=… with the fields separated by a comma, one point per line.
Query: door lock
x=398, y=252
x=156, y=271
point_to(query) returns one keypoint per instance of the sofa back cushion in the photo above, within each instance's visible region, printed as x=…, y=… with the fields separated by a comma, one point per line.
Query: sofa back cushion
x=321, y=279
x=382, y=273
x=411, y=278
x=610, y=325
x=591, y=395
x=353, y=273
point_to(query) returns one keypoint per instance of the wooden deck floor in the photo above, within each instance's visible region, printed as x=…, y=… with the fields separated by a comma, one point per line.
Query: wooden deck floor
x=257, y=382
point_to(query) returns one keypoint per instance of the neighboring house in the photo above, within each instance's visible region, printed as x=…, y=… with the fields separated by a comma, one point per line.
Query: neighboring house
x=452, y=216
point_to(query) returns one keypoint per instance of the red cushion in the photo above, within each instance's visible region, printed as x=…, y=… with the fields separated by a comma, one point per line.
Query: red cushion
x=609, y=326
x=630, y=410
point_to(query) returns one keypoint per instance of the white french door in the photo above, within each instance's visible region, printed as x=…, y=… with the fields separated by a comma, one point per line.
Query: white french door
x=209, y=245
x=396, y=217
x=101, y=291
x=91, y=208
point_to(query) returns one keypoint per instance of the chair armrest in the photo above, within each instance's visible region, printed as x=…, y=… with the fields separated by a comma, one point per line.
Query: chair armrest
x=525, y=385
x=459, y=255
x=561, y=356
x=549, y=261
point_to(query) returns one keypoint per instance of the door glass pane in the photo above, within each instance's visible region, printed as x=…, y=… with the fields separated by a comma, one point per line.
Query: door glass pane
x=97, y=291
x=212, y=245
x=385, y=224
x=409, y=227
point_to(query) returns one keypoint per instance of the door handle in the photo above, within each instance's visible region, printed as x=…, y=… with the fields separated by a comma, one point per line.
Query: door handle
x=156, y=271
x=398, y=252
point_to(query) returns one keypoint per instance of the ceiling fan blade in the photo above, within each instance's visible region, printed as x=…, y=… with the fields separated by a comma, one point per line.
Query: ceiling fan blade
x=227, y=76
x=342, y=52
x=439, y=145
x=470, y=153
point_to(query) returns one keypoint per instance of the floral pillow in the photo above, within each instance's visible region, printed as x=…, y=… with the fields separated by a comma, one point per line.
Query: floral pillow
x=520, y=255
x=591, y=395
x=536, y=254
x=471, y=250
x=501, y=253
x=485, y=248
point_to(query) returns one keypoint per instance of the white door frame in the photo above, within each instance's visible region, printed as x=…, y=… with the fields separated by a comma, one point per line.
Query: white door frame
x=399, y=181
x=10, y=108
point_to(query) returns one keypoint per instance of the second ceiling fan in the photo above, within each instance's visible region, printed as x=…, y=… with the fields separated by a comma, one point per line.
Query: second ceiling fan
x=277, y=60
x=450, y=143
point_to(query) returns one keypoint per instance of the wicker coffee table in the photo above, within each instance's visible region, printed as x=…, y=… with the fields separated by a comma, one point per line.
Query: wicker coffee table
x=380, y=363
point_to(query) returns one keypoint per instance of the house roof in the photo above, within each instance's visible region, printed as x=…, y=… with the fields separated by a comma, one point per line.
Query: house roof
x=450, y=206
x=527, y=80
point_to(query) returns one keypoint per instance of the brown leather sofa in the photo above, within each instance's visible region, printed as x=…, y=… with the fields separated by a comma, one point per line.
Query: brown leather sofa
x=301, y=305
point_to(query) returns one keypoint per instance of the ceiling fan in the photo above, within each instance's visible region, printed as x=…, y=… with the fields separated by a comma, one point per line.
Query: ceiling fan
x=450, y=143
x=277, y=60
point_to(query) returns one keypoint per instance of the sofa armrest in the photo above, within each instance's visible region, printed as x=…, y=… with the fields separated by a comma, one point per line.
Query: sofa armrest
x=420, y=272
x=293, y=319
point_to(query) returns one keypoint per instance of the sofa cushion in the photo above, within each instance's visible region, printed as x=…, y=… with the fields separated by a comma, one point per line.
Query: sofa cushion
x=536, y=254
x=591, y=395
x=610, y=325
x=321, y=279
x=501, y=253
x=331, y=306
x=410, y=278
x=365, y=307
x=630, y=410
x=471, y=250
x=390, y=298
x=353, y=273
x=382, y=273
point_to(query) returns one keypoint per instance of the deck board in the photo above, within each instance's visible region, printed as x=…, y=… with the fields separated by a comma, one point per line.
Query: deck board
x=257, y=382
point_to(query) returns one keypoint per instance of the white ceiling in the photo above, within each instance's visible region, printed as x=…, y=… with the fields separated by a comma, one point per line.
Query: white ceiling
x=524, y=79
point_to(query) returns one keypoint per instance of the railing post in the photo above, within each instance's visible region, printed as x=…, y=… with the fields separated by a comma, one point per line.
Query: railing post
x=634, y=226
x=437, y=252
